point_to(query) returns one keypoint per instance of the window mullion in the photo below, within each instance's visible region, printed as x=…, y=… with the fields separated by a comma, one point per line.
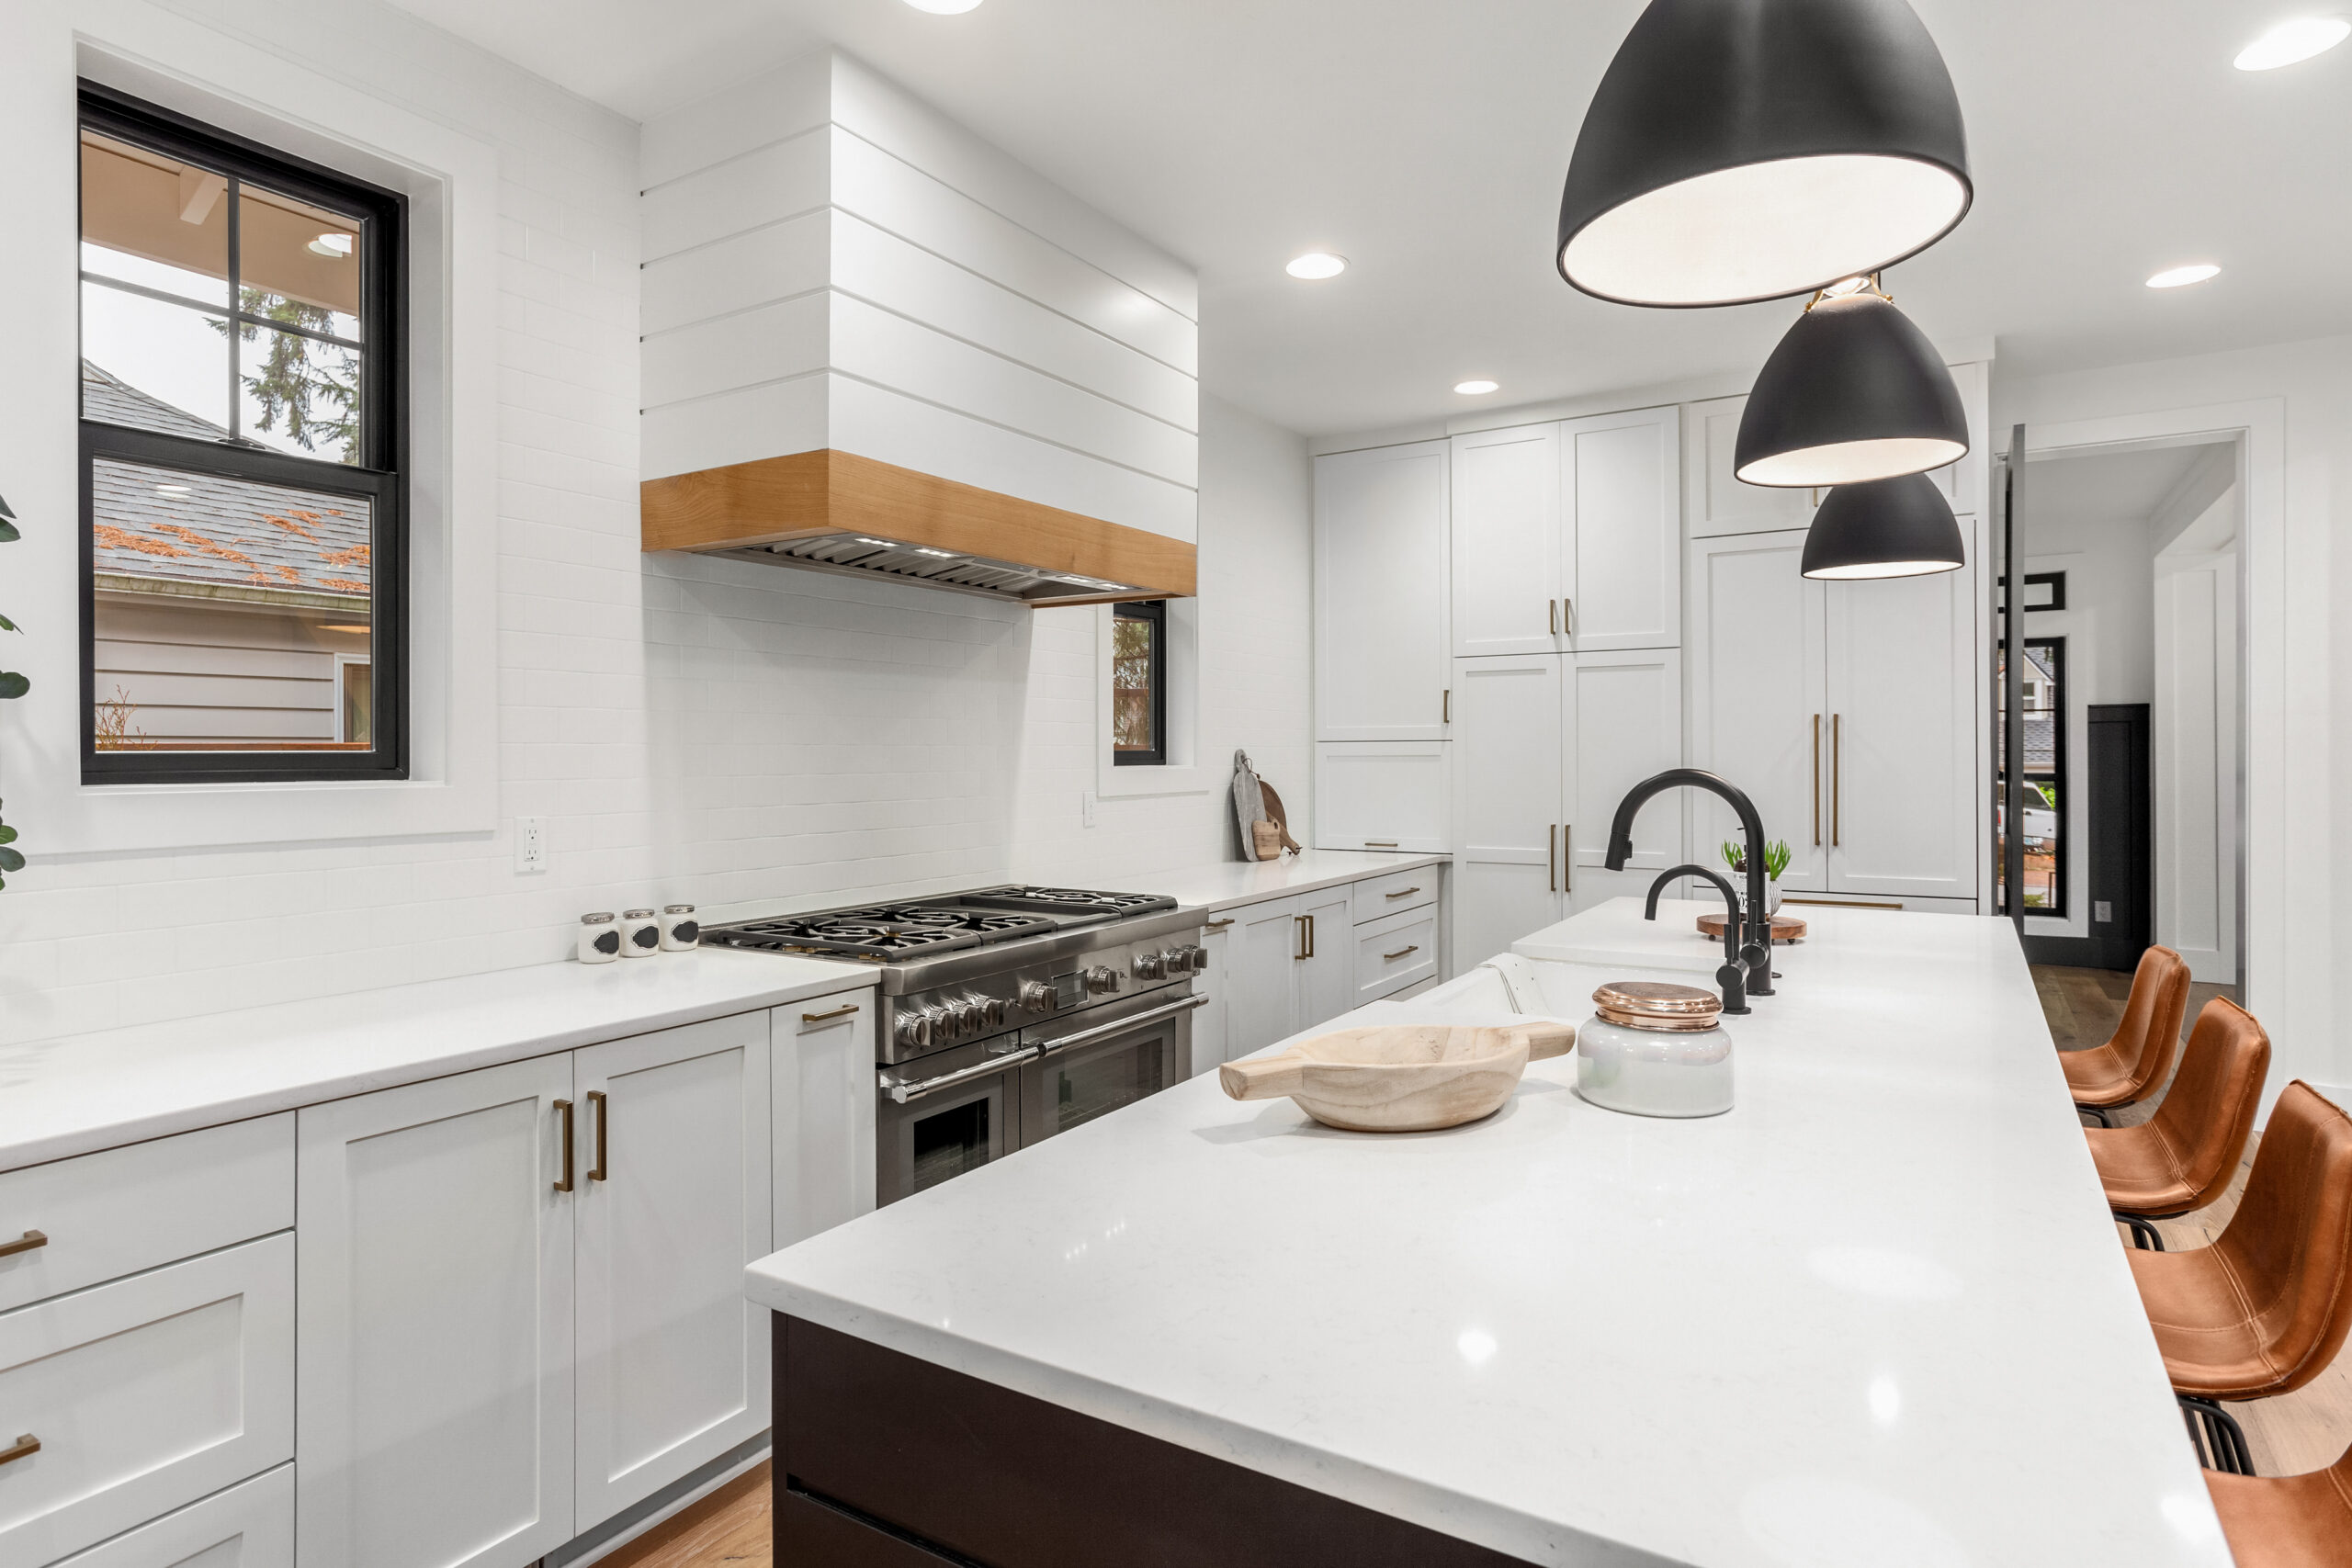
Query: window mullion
x=234, y=195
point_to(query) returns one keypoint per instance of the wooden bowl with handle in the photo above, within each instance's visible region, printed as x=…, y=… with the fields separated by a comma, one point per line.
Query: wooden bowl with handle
x=1410, y=1077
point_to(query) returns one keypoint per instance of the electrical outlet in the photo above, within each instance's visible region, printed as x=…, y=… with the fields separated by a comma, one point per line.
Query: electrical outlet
x=1086, y=803
x=530, y=843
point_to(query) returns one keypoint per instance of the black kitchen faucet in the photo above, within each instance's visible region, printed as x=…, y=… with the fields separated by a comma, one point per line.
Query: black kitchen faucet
x=1755, y=953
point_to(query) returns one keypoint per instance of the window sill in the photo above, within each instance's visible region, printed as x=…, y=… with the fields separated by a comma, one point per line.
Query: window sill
x=1169, y=778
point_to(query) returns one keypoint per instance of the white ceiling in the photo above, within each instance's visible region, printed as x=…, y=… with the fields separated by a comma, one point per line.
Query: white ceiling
x=1426, y=141
x=2109, y=487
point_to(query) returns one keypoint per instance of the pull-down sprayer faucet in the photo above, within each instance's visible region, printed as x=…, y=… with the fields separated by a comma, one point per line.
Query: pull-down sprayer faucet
x=1756, y=950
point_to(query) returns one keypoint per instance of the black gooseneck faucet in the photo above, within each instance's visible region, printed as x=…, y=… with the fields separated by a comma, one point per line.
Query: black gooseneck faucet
x=1733, y=975
x=1757, y=956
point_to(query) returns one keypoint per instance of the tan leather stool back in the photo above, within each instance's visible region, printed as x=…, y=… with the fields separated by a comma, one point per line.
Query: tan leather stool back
x=2208, y=1112
x=2286, y=1521
x=2289, y=1248
x=2149, y=1036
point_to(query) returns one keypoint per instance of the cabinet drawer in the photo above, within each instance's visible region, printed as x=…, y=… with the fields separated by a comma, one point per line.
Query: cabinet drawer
x=145, y=1394
x=1379, y=896
x=1395, y=953
x=249, y=1526
x=123, y=1210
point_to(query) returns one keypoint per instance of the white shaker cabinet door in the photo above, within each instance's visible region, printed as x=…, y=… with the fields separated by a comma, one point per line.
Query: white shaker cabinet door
x=1511, y=554
x=1380, y=593
x=672, y=1201
x=250, y=1525
x=1718, y=502
x=1758, y=714
x=1327, y=975
x=1264, y=944
x=433, y=1406
x=823, y=1124
x=1620, y=478
x=1625, y=723
x=1900, y=753
x=1508, y=792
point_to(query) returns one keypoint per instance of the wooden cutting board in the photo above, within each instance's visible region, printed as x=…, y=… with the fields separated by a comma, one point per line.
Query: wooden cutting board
x=1274, y=815
x=1785, y=928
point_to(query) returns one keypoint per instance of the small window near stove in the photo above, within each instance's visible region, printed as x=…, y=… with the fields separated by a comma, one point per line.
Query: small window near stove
x=1139, y=684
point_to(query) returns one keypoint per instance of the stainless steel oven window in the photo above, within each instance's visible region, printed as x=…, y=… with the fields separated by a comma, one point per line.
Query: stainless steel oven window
x=940, y=1136
x=1113, y=1062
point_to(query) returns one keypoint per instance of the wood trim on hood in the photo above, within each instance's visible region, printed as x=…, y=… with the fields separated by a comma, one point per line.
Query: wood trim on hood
x=811, y=494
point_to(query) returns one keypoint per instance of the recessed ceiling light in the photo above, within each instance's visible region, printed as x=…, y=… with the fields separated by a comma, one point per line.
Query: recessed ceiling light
x=334, y=246
x=1316, y=264
x=2179, y=277
x=1475, y=387
x=945, y=7
x=2291, y=42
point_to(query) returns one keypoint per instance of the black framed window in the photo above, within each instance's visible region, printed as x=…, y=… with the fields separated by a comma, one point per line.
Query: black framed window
x=1139, y=684
x=244, y=451
x=2047, y=796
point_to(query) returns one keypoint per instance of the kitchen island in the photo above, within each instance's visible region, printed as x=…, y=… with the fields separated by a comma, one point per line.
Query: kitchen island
x=1875, y=1314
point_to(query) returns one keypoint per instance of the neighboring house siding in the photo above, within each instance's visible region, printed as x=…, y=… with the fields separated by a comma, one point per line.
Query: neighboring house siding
x=211, y=673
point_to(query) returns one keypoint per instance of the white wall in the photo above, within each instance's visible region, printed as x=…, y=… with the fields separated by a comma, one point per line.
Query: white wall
x=708, y=731
x=2300, y=762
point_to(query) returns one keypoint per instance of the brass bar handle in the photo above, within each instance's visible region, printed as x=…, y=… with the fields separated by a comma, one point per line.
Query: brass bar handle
x=1816, y=781
x=597, y=1102
x=23, y=1447
x=1551, y=867
x=1568, y=618
x=1297, y=938
x=563, y=1109
x=1836, y=773
x=1401, y=893
x=1380, y=844
x=1568, y=863
x=1215, y=925
x=1445, y=707
x=30, y=1240
x=844, y=1011
x=1393, y=957
x=1311, y=936
x=1551, y=618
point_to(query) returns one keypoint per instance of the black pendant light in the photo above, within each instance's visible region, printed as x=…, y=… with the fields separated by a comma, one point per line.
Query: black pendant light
x=1900, y=527
x=1743, y=150
x=1854, y=391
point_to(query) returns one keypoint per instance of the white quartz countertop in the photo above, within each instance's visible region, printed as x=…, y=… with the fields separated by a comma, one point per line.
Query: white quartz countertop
x=1208, y=888
x=78, y=1093
x=1875, y=1314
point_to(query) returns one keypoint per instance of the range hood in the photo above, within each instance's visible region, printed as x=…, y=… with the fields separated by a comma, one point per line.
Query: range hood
x=874, y=346
x=839, y=512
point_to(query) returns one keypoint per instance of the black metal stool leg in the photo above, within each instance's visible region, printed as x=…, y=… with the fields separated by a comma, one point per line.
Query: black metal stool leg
x=2145, y=1237
x=2096, y=1113
x=2224, y=1442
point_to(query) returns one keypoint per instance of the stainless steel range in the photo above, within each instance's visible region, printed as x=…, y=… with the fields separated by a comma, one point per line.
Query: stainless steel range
x=1007, y=1014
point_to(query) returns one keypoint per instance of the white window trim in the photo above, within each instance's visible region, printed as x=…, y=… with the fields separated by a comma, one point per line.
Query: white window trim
x=1185, y=771
x=451, y=181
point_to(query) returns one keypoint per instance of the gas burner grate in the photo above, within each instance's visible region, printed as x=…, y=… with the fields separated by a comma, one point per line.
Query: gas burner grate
x=1070, y=900
x=884, y=931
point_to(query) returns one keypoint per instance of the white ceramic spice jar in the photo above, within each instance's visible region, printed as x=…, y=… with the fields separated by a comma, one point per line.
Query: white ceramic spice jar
x=600, y=938
x=641, y=933
x=680, y=930
x=1655, y=1050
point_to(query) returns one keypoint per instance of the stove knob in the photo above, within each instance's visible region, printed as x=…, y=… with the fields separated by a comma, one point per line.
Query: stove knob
x=972, y=1012
x=1179, y=960
x=1198, y=958
x=1101, y=978
x=1150, y=965
x=913, y=1030
x=1036, y=996
x=938, y=1027
x=996, y=1012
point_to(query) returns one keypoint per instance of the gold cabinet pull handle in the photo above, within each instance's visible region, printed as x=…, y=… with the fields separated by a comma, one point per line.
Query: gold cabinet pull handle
x=1401, y=893
x=828, y=1017
x=1837, y=772
x=1551, y=618
x=1298, y=936
x=597, y=1102
x=1311, y=936
x=1215, y=925
x=1551, y=867
x=1568, y=864
x=1568, y=617
x=1816, y=781
x=30, y=1240
x=1393, y=957
x=1445, y=707
x=23, y=1447
x=563, y=1109
x=1380, y=844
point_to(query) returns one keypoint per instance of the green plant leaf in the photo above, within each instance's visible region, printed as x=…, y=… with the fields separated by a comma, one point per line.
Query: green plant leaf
x=11, y=859
x=4, y=510
x=9, y=626
x=7, y=834
x=13, y=684
x=9, y=532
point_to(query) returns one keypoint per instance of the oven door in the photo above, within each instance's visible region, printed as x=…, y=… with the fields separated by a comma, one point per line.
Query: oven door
x=1095, y=1061
x=944, y=1115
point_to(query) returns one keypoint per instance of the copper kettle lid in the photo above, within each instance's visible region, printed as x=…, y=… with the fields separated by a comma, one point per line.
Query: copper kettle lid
x=1650, y=1004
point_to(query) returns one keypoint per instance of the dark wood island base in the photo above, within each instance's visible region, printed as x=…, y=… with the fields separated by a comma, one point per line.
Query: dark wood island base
x=886, y=1460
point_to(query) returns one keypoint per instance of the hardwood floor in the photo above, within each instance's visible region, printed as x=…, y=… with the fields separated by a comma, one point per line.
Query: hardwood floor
x=2308, y=1430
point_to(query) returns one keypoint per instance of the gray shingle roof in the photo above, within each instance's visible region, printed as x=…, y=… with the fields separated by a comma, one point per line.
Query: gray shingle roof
x=222, y=531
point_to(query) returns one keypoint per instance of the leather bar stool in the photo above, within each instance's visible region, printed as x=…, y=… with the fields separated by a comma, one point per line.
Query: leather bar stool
x=2264, y=1308
x=2182, y=1157
x=2288, y=1522
x=2132, y=1064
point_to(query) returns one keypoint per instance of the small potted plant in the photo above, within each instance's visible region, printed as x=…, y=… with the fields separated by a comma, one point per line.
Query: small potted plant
x=1776, y=861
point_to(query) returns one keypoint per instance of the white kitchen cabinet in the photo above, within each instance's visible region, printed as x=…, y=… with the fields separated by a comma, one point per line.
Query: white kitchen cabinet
x=672, y=1201
x=1327, y=975
x=1212, y=1039
x=1383, y=795
x=824, y=1120
x=1381, y=594
x=1568, y=535
x=1395, y=954
x=145, y=1394
x=1290, y=964
x=1845, y=710
x=435, y=1322
x=1546, y=747
x=250, y=1525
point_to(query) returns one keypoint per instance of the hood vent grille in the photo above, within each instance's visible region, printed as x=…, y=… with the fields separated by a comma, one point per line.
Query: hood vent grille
x=858, y=555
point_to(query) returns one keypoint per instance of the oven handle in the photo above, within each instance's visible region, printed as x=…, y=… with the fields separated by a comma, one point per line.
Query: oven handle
x=1105, y=1030
x=902, y=1092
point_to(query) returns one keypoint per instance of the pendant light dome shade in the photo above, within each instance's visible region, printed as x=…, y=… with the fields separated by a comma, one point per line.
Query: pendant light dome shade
x=1854, y=391
x=1900, y=527
x=1743, y=150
